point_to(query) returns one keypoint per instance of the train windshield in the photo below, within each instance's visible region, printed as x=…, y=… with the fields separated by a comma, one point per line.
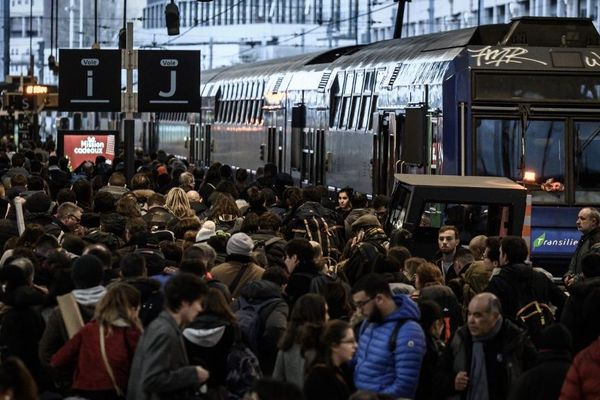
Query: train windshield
x=587, y=161
x=503, y=149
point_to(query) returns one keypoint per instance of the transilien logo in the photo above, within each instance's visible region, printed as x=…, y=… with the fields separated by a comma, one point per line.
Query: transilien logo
x=539, y=240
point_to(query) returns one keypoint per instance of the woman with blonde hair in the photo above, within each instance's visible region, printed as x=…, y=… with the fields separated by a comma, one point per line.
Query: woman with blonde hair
x=103, y=349
x=178, y=204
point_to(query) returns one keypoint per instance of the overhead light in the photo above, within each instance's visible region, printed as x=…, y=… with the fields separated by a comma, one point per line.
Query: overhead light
x=172, y=18
x=529, y=177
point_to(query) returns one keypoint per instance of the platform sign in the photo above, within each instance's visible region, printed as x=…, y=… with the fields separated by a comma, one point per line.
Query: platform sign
x=169, y=81
x=89, y=80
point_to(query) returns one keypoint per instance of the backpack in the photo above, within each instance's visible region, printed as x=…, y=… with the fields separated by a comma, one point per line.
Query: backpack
x=243, y=370
x=251, y=319
x=361, y=261
x=310, y=225
x=272, y=249
x=533, y=317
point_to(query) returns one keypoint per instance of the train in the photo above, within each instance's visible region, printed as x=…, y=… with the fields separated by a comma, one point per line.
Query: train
x=519, y=100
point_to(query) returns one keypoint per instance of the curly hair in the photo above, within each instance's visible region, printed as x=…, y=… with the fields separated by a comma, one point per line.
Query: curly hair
x=224, y=205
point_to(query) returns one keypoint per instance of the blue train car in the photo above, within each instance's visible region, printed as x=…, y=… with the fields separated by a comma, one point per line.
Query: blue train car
x=518, y=100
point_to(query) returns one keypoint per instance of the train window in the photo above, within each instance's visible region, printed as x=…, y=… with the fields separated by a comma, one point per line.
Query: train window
x=260, y=112
x=343, y=123
x=372, y=111
x=354, y=115
x=349, y=84
x=498, y=143
x=364, y=112
x=338, y=84
x=358, y=85
x=545, y=155
x=587, y=162
x=369, y=79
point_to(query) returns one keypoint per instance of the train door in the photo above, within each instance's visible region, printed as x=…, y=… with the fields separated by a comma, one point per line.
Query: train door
x=202, y=143
x=386, y=147
x=272, y=149
x=307, y=149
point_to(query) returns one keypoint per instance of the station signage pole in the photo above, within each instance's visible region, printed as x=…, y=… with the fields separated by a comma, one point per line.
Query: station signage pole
x=129, y=102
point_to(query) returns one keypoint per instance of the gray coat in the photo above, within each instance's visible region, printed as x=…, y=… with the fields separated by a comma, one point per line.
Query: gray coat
x=160, y=367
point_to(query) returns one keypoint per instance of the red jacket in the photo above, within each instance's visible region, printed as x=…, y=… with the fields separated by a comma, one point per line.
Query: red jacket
x=583, y=378
x=83, y=352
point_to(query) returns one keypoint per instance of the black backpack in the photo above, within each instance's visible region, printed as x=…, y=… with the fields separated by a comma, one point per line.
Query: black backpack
x=251, y=319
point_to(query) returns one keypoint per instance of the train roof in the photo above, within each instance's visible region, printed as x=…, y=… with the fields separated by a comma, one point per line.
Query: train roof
x=442, y=46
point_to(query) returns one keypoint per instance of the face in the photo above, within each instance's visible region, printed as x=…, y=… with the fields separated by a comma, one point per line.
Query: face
x=489, y=264
x=344, y=351
x=447, y=242
x=437, y=328
x=72, y=221
x=585, y=223
x=343, y=200
x=481, y=320
x=291, y=262
x=367, y=306
x=189, y=311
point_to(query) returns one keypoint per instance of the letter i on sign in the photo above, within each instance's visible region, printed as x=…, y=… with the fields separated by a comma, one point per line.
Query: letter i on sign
x=90, y=83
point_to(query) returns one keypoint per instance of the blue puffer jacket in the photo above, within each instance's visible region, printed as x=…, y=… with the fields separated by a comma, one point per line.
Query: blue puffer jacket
x=379, y=370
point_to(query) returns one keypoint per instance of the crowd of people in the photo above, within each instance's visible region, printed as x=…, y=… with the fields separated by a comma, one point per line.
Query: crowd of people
x=184, y=283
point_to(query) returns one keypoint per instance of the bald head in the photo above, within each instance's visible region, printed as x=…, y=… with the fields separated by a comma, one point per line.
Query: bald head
x=193, y=196
x=484, y=313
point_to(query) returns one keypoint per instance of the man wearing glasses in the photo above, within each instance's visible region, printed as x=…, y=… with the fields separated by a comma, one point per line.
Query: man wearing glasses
x=391, y=344
x=66, y=220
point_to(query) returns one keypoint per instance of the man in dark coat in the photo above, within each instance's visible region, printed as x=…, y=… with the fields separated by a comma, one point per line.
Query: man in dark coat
x=486, y=356
x=588, y=223
x=160, y=368
x=517, y=284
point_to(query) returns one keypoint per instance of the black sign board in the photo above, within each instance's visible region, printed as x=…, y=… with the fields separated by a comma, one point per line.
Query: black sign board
x=169, y=81
x=89, y=80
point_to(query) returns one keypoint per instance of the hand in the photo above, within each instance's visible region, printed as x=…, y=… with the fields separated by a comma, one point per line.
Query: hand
x=202, y=374
x=461, y=381
x=568, y=280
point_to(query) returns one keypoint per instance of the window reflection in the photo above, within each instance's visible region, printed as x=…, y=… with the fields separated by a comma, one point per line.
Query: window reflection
x=587, y=161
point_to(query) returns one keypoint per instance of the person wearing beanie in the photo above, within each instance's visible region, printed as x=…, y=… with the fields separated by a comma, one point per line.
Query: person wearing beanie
x=86, y=274
x=37, y=209
x=432, y=323
x=206, y=232
x=545, y=379
x=239, y=268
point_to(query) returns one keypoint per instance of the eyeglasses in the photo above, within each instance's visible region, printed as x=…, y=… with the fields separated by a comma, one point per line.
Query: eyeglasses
x=77, y=219
x=362, y=303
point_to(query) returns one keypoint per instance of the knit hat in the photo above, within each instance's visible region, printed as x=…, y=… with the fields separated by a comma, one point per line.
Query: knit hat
x=240, y=243
x=365, y=221
x=38, y=203
x=207, y=230
x=87, y=272
x=555, y=337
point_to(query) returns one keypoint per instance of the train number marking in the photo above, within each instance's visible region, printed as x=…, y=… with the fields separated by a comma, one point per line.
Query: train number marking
x=504, y=55
x=593, y=60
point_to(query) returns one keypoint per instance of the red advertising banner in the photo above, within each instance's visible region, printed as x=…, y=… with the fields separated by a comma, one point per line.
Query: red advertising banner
x=79, y=148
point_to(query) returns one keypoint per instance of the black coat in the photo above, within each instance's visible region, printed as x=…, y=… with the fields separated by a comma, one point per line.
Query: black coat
x=544, y=381
x=327, y=383
x=299, y=282
x=580, y=313
x=22, y=328
x=518, y=284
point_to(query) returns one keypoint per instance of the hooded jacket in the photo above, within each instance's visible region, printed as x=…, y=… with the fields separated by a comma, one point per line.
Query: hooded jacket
x=208, y=340
x=518, y=284
x=394, y=373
